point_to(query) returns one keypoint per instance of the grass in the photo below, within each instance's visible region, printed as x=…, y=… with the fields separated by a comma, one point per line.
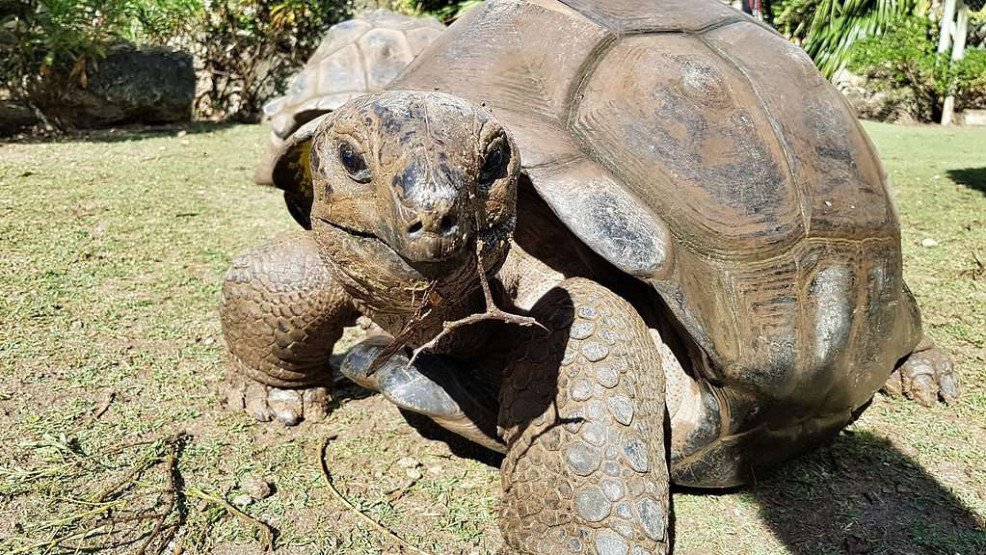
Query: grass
x=113, y=251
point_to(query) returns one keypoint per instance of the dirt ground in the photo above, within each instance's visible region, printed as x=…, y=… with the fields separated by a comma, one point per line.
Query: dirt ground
x=112, y=252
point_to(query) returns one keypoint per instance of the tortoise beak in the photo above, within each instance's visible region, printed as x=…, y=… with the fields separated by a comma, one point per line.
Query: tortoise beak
x=434, y=220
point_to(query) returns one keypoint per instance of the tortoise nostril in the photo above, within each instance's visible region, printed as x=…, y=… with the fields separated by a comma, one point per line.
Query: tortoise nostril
x=415, y=227
x=447, y=224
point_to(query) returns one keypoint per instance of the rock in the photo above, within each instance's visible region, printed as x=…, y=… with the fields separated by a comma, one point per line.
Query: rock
x=929, y=242
x=257, y=488
x=144, y=86
x=15, y=118
x=974, y=117
x=408, y=462
x=242, y=500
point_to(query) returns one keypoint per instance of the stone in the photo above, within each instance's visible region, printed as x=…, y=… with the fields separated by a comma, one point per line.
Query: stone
x=154, y=85
x=257, y=488
x=871, y=100
x=16, y=118
x=974, y=117
x=408, y=462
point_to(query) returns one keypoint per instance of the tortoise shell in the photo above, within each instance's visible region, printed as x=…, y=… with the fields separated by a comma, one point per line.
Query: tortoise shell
x=356, y=56
x=699, y=151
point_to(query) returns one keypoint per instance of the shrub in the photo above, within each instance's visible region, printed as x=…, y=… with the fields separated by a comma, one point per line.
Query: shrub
x=444, y=10
x=250, y=48
x=907, y=57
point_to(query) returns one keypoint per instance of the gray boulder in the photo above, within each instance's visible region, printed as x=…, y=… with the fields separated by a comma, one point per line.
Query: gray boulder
x=15, y=118
x=130, y=86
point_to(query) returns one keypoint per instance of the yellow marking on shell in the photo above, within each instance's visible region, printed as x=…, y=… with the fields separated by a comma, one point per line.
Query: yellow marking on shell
x=306, y=150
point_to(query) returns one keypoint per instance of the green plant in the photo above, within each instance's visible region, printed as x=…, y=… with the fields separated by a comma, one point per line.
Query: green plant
x=907, y=57
x=443, y=10
x=828, y=29
x=250, y=47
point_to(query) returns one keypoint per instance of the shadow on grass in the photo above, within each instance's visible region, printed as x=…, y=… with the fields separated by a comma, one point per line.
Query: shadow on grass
x=122, y=134
x=862, y=495
x=973, y=178
x=460, y=446
x=859, y=495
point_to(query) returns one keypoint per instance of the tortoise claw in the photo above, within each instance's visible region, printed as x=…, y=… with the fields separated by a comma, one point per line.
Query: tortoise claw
x=927, y=376
x=266, y=403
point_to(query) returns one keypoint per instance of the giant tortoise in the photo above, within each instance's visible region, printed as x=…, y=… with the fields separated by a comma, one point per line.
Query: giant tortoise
x=694, y=233
x=356, y=56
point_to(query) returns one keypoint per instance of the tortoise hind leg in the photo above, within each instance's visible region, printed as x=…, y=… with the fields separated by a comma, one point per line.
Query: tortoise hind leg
x=926, y=376
x=281, y=315
x=582, y=411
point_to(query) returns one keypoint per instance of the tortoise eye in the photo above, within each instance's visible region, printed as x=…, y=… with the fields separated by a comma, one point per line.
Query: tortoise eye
x=354, y=163
x=494, y=163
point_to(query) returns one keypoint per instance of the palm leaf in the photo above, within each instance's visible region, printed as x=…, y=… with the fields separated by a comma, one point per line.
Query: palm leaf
x=828, y=29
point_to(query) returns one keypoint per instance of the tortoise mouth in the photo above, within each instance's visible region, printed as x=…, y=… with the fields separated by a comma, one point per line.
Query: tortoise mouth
x=350, y=231
x=437, y=268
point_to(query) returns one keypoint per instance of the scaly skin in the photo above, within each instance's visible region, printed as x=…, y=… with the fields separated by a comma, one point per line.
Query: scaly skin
x=281, y=315
x=582, y=411
x=925, y=376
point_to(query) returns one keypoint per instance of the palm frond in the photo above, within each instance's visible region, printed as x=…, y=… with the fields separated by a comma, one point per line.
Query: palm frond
x=828, y=29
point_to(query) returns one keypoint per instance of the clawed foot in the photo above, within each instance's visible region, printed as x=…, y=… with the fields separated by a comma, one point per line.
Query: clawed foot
x=266, y=403
x=926, y=376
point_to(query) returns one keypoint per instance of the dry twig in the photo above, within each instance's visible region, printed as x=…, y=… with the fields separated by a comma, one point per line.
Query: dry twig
x=327, y=476
x=171, y=494
x=266, y=532
x=104, y=404
x=492, y=312
x=424, y=312
x=115, y=497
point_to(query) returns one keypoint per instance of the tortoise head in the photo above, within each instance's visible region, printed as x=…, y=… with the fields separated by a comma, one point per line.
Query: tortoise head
x=404, y=185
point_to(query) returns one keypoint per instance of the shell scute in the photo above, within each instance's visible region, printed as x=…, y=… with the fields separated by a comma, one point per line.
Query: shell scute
x=343, y=71
x=841, y=180
x=387, y=53
x=638, y=16
x=683, y=131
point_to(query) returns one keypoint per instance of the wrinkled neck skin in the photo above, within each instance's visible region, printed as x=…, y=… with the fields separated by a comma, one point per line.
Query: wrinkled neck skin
x=391, y=291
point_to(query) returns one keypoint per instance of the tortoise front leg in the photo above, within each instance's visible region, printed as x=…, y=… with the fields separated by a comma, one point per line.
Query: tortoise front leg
x=582, y=411
x=282, y=314
x=460, y=396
